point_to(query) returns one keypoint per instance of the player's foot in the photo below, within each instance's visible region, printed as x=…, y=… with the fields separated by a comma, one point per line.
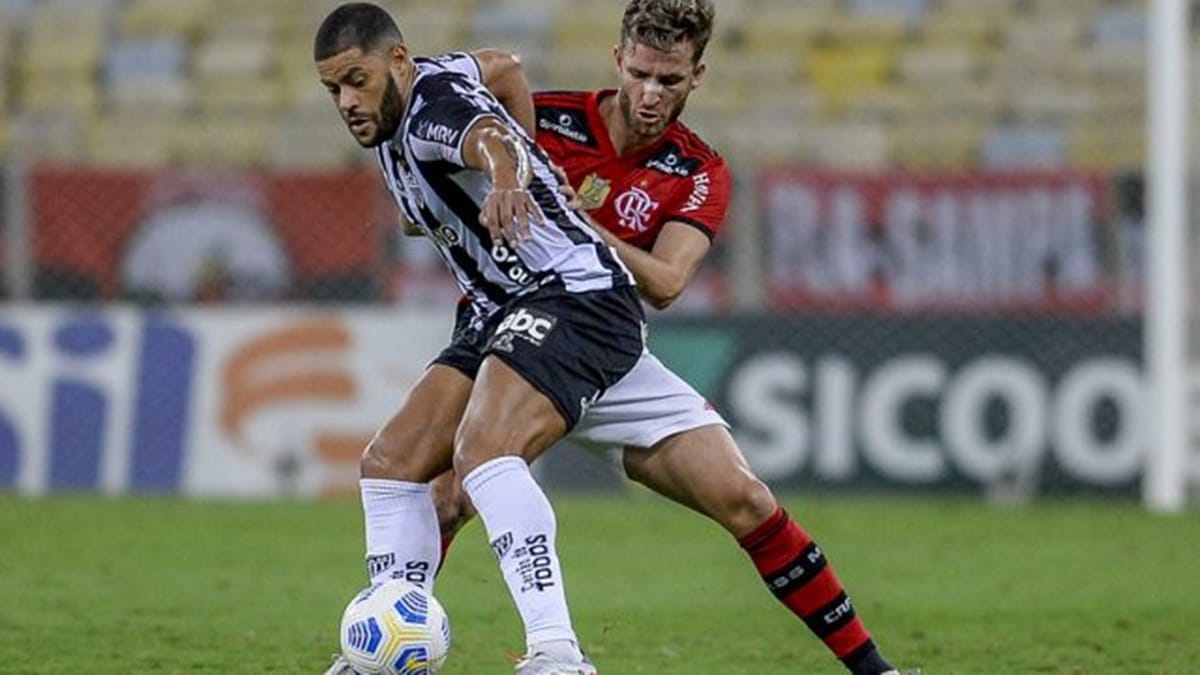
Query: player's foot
x=340, y=666
x=913, y=671
x=541, y=663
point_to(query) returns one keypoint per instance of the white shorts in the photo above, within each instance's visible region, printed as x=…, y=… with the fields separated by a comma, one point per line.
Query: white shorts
x=645, y=406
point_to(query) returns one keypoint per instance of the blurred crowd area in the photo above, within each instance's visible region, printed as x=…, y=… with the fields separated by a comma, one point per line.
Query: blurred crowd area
x=871, y=83
x=886, y=152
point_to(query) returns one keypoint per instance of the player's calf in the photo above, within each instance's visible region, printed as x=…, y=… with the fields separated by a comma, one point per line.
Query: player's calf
x=454, y=510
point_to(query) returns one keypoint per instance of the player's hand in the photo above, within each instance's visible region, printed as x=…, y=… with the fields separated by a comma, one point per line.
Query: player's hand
x=508, y=214
x=565, y=186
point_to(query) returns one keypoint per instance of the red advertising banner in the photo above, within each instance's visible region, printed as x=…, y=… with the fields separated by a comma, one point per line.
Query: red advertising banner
x=188, y=236
x=1034, y=241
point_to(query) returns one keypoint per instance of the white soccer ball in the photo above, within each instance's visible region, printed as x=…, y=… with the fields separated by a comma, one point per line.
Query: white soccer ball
x=395, y=628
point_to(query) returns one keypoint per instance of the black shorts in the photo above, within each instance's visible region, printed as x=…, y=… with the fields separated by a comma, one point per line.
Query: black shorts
x=569, y=346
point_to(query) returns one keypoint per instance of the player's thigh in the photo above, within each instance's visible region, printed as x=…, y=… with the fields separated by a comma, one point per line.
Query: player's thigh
x=505, y=416
x=703, y=469
x=417, y=443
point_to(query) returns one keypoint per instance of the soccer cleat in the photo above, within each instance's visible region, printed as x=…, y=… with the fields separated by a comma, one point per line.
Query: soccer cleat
x=544, y=664
x=914, y=671
x=340, y=666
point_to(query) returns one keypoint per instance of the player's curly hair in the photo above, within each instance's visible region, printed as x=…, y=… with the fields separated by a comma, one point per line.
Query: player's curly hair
x=662, y=24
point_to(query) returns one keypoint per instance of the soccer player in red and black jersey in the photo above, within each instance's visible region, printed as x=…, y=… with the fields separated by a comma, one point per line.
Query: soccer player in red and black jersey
x=659, y=195
x=658, y=192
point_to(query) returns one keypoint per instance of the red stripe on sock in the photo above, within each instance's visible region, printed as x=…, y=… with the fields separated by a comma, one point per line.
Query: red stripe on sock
x=818, y=592
x=848, y=638
x=775, y=543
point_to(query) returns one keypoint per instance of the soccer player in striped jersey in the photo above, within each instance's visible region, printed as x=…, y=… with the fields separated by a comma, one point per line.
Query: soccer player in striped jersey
x=552, y=322
x=659, y=194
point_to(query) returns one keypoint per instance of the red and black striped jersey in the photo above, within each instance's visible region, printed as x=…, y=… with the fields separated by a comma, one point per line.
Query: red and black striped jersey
x=678, y=178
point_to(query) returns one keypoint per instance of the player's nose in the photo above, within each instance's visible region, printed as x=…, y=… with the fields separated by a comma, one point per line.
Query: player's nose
x=347, y=101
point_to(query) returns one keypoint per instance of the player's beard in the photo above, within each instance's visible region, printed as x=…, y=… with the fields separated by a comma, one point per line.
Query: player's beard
x=639, y=127
x=391, y=107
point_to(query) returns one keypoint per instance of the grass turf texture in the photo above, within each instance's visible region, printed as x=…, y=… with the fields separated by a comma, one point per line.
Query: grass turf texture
x=164, y=586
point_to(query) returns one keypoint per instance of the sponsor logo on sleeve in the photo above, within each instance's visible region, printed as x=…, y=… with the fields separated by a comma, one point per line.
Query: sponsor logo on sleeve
x=701, y=184
x=435, y=132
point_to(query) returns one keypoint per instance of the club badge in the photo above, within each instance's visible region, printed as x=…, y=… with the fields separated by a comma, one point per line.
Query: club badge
x=593, y=191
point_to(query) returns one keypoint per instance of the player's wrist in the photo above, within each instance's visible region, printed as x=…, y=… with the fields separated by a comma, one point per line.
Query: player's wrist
x=507, y=180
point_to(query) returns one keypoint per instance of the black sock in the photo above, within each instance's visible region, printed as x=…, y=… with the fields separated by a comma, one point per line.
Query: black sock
x=867, y=661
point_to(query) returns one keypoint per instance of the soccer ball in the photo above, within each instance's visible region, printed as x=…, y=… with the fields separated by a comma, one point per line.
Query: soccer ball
x=395, y=628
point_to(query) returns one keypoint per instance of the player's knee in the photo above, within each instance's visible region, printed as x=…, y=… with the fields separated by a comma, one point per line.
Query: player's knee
x=375, y=461
x=752, y=504
x=383, y=459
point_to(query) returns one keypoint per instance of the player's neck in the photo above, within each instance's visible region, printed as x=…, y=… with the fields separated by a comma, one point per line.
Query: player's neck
x=623, y=140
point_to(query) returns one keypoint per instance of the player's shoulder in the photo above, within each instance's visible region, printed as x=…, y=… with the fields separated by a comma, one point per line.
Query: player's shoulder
x=564, y=115
x=682, y=153
x=692, y=144
x=561, y=98
x=436, y=86
x=463, y=63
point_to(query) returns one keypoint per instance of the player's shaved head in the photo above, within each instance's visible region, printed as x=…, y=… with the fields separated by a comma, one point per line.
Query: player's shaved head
x=662, y=24
x=355, y=24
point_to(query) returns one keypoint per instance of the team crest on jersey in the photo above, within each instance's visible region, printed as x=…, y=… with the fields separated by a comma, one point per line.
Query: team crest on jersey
x=593, y=191
x=634, y=208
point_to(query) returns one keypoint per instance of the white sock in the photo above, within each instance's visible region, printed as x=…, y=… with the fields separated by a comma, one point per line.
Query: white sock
x=521, y=528
x=403, y=539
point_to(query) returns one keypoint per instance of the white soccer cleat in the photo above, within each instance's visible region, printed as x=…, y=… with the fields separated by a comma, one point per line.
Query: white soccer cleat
x=544, y=664
x=340, y=666
x=914, y=671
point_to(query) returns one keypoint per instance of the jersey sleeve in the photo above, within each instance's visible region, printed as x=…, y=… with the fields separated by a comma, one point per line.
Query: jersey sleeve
x=703, y=201
x=453, y=105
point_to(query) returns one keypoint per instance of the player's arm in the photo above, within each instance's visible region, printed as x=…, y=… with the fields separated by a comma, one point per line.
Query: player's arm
x=503, y=74
x=492, y=147
x=666, y=269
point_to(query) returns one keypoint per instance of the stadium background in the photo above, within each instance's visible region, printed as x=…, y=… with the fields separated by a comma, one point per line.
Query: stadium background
x=931, y=277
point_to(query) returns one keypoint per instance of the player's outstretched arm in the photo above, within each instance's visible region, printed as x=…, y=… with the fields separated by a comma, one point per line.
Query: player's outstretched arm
x=508, y=210
x=504, y=76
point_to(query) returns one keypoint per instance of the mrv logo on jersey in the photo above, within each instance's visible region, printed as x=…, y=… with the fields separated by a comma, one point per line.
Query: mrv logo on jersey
x=528, y=324
x=436, y=133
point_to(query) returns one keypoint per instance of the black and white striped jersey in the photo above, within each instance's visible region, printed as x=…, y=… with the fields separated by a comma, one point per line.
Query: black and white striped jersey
x=424, y=169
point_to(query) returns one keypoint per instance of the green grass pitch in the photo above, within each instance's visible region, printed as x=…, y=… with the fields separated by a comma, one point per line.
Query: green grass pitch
x=94, y=585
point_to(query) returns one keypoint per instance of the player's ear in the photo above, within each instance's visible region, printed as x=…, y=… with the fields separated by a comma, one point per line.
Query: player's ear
x=398, y=58
x=698, y=74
